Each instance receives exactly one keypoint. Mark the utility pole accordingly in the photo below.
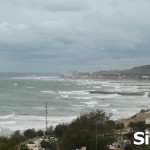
(46, 113)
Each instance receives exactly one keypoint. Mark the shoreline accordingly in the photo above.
(140, 116)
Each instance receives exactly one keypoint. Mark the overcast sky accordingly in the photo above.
(84, 35)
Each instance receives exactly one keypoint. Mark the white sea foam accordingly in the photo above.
(104, 105)
(39, 78)
(25, 122)
(81, 97)
(29, 87)
(106, 96)
(15, 84)
(146, 94)
(117, 86)
(7, 116)
(67, 84)
(93, 82)
(7, 122)
(64, 96)
(97, 87)
(90, 104)
(105, 85)
(74, 92)
(114, 110)
(78, 105)
(81, 84)
(48, 92)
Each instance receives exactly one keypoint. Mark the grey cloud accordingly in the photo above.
(50, 5)
(113, 33)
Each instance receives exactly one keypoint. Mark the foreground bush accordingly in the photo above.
(13, 142)
(85, 131)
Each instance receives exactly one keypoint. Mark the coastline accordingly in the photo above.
(142, 116)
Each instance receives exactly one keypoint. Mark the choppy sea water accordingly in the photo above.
(23, 97)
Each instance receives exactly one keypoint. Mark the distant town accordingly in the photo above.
(142, 72)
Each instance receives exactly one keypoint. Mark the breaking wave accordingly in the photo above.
(74, 92)
(47, 92)
(7, 116)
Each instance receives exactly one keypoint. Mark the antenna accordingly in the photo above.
(46, 113)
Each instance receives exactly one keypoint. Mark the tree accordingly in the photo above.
(129, 136)
(110, 126)
(84, 130)
(49, 131)
(44, 144)
(12, 143)
(51, 144)
(60, 130)
(23, 147)
(40, 133)
(119, 126)
(30, 133)
(140, 126)
(132, 125)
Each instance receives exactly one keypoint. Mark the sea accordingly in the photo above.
(23, 97)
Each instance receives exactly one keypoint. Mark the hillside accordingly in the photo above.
(141, 116)
(141, 70)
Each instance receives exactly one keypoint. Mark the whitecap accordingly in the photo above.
(105, 96)
(78, 105)
(146, 94)
(7, 116)
(81, 97)
(114, 110)
(29, 87)
(90, 104)
(35, 122)
(105, 85)
(97, 87)
(39, 78)
(104, 105)
(74, 92)
(7, 122)
(47, 92)
(64, 96)
(15, 84)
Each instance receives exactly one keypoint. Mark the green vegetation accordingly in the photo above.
(119, 126)
(50, 144)
(30, 133)
(138, 126)
(85, 130)
(94, 129)
(13, 142)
